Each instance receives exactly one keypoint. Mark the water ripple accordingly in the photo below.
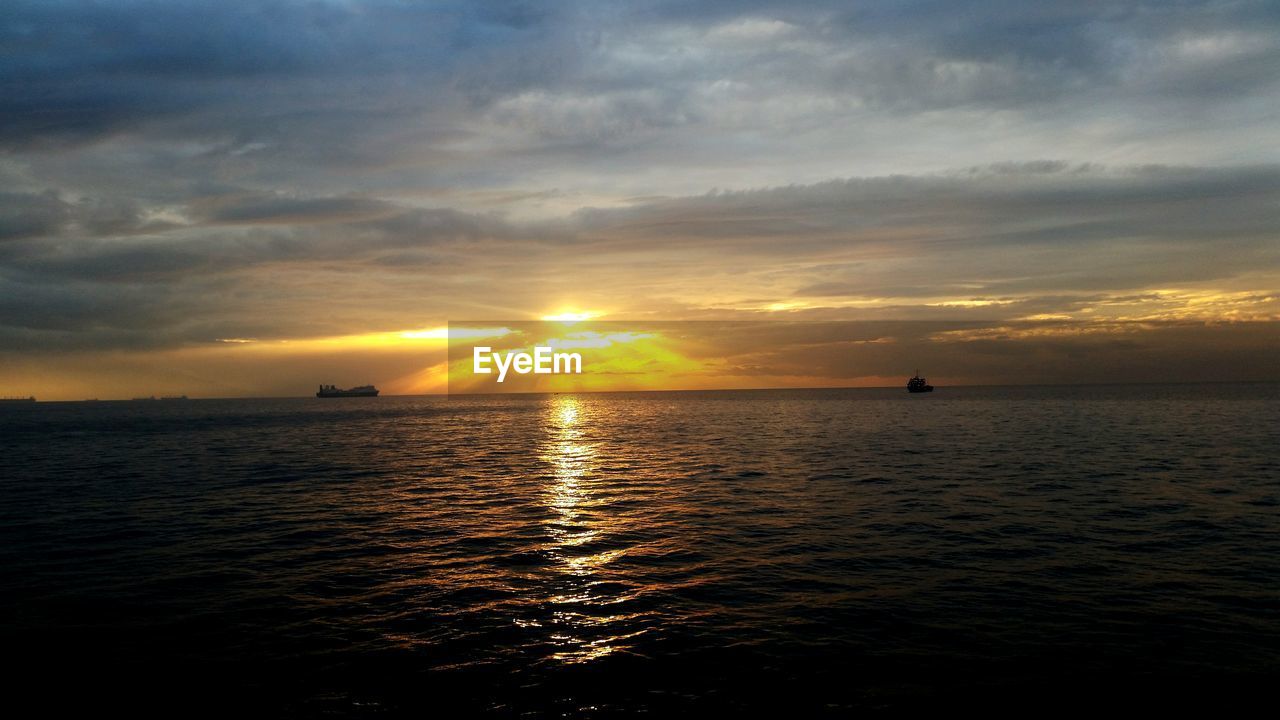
(818, 551)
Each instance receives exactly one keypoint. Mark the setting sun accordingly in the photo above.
(570, 317)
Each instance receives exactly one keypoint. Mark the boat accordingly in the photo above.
(918, 384)
(28, 399)
(331, 391)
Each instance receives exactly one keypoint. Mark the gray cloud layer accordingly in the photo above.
(363, 84)
(1040, 238)
(177, 172)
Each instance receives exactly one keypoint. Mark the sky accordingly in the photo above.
(252, 198)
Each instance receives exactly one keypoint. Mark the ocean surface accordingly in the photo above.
(808, 552)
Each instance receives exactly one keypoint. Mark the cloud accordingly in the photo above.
(25, 215)
(1005, 241)
(279, 209)
(579, 78)
(177, 172)
(48, 214)
(313, 231)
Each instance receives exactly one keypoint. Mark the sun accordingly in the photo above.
(571, 316)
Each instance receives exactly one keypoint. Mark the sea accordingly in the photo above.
(795, 553)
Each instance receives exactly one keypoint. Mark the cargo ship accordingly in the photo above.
(28, 399)
(332, 391)
(918, 384)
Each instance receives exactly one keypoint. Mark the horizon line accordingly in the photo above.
(173, 399)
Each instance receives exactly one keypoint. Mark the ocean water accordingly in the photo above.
(808, 552)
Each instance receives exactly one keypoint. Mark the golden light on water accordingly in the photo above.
(568, 409)
(575, 522)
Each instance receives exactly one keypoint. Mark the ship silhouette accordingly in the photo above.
(918, 384)
(332, 391)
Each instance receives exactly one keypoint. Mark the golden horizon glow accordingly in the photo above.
(571, 316)
(366, 341)
(415, 360)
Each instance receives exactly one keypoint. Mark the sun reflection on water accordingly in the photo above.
(575, 523)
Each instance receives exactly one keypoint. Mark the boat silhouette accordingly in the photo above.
(331, 391)
(918, 384)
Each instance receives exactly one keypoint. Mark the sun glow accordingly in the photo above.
(568, 316)
(786, 306)
(403, 339)
(440, 333)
